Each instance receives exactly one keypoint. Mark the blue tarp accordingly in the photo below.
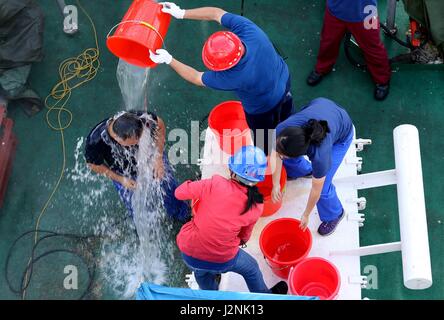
(149, 291)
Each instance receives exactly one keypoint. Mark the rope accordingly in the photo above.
(73, 72)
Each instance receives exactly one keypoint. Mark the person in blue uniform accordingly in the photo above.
(322, 131)
(242, 60)
(111, 150)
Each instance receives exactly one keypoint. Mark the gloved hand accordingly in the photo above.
(161, 56)
(173, 9)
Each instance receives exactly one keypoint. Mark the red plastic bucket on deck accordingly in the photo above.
(284, 245)
(227, 121)
(266, 188)
(142, 29)
(315, 277)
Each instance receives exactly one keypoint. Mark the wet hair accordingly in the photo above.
(128, 125)
(294, 141)
(253, 194)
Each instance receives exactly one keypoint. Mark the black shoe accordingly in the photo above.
(280, 288)
(314, 78)
(381, 91)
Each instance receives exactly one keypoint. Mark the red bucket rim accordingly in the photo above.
(310, 241)
(217, 108)
(139, 63)
(311, 259)
(282, 182)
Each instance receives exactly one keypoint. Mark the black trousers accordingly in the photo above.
(263, 124)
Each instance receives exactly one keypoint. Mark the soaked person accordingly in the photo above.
(323, 131)
(224, 219)
(111, 150)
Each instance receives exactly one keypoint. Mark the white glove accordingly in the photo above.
(173, 9)
(161, 56)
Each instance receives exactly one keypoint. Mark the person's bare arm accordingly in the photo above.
(205, 13)
(188, 73)
(315, 194)
(276, 193)
(107, 172)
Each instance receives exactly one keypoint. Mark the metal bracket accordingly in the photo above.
(361, 202)
(360, 280)
(360, 143)
(356, 161)
(357, 217)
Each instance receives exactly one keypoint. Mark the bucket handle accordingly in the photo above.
(274, 268)
(143, 23)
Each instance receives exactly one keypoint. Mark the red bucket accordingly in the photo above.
(143, 28)
(266, 188)
(228, 122)
(315, 277)
(284, 245)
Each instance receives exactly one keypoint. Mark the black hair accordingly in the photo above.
(128, 125)
(294, 141)
(253, 194)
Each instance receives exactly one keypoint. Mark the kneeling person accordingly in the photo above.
(111, 150)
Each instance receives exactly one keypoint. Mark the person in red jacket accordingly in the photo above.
(224, 219)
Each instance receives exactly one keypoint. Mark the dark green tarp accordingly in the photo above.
(21, 44)
(430, 13)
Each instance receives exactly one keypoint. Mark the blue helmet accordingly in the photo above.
(249, 164)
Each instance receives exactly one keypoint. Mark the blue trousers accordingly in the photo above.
(244, 264)
(176, 209)
(329, 206)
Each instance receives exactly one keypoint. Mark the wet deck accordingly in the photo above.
(416, 97)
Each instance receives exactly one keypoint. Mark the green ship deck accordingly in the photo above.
(417, 98)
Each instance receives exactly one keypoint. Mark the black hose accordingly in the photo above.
(394, 37)
(28, 272)
(404, 58)
(353, 61)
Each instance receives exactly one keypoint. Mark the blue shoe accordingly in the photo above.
(327, 228)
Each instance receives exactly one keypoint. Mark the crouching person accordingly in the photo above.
(111, 150)
(224, 219)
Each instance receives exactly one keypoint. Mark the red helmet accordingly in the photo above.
(222, 51)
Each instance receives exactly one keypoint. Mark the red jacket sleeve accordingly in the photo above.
(245, 233)
(190, 190)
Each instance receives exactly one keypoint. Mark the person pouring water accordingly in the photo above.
(323, 131)
(224, 219)
(242, 60)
